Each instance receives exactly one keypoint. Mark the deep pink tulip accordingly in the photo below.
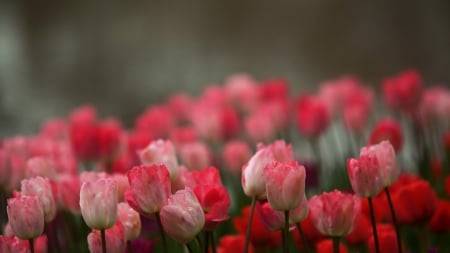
(182, 218)
(156, 120)
(149, 188)
(285, 184)
(41, 188)
(160, 152)
(26, 216)
(69, 192)
(98, 203)
(387, 164)
(335, 213)
(115, 240)
(387, 129)
(403, 92)
(313, 116)
(365, 176)
(131, 221)
(215, 202)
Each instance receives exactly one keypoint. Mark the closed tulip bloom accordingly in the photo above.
(115, 240)
(131, 221)
(160, 152)
(335, 213)
(25, 216)
(285, 184)
(253, 173)
(41, 188)
(98, 203)
(364, 175)
(149, 188)
(182, 218)
(272, 219)
(387, 163)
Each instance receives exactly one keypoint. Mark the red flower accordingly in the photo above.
(313, 116)
(83, 133)
(361, 232)
(215, 202)
(326, 246)
(233, 244)
(230, 123)
(403, 92)
(274, 89)
(386, 237)
(108, 137)
(440, 221)
(387, 129)
(156, 120)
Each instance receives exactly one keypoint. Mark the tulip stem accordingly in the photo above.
(394, 219)
(286, 232)
(31, 245)
(249, 224)
(161, 230)
(206, 241)
(336, 244)
(190, 250)
(102, 232)
(129, 247)
(302, 236)
(213, 243)
(374, 226)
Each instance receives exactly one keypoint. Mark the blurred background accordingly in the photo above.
(121, 57)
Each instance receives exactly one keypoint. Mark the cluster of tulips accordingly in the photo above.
(228, 171)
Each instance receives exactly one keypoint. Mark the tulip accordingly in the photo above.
(403, 92)
(387, 164)
(235, 154)
(98, 203)
(40, 166)
(160, 152)
(365, 177)
(26, 216)
(195, 155)
(313, 116)
(182, 218)
(335, 213)
(114, 237)
(149, 188)
(232, 243)
(130, 220)
(387, 129)
(285, 184)
(41, 188)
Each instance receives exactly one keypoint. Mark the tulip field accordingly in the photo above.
(244, 166)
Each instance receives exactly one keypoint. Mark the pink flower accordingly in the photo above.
(149, 188)
(83, 131)
(364, 175)
(156, 120)
(98, 203)
(259, 127)
(313, 116)
(69, 192)
(387, 163)
(122, 185)
(40, 166)
(115, 240)
(15, 245)
(272, 219)
(130, 220)
(335, 213)
(235, 154)
(285, 184)
(195, 155)
(434, 106)
(242, 91)
(26, 216)
(41, 188)
(207, 176)
(403, 92)
(182, 218)
(160, 152)
(387, 129)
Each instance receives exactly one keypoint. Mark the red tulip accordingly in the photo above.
(440, 221)
(361, 232)
(387, 239)
(326, 246)
(235, 154)
(387, 129)
(313, 116)
(156, 120)
(403, 92)
(335, 213)
(149, 188)
(233, 244)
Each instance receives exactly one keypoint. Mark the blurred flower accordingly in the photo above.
(41, 188)
(235, 154)
(69, 192)
(195, 155)
(387, 239)
(361, 232)
(40, 166)
(440, 221)
(313, 116)
(160, 152)
(115, 240)
(17, 245)
(130, 221)
(157, 120)
(108, 137)
(326, 246)
(364, 175)
(403, 92)
(232, 244)
(387, 129)
(26, 216)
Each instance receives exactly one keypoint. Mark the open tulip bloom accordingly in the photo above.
(247, 166)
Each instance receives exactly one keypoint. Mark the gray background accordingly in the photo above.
(55, 55)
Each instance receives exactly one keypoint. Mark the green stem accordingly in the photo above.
(302, 236)
(286, 232)
(213, 243)
(31, 245)
(249, 224)
(102, 232)
(189, 248)
(394, 220)
(336, 240)
(374, 226)
(161, 231)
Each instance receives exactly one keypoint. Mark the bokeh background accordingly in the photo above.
(121, 57)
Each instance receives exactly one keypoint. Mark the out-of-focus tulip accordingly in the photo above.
(182, 218)
(130, 220)
(41, 188)
(387, 239)
(69, 192)
(361, 232)
(403, 92)
(235, 154)
(313, 116)
(160, 152)
(156, 120)
(98, 203)
(335, 213)
(115, 240)
(40, 166)
(149, 188)
(326, 246)
(387, 129)
(26, 216)
(232, 244)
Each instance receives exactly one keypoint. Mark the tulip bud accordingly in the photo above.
(26, 216)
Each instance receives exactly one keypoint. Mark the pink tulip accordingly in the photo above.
(285, 184)
(41, 188)
(335, 213)
(272, 219)
(387, 163)
(98, 203)
(26, 216)
(160, 152)
(40, 166)
(235, 154)
(149, 188)
(16, 245)
(259, 127)
(131, 221)
(364, 175)
(313, 116)
(182, 218)
(69, 192)
(115, 240)
(195, 155)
